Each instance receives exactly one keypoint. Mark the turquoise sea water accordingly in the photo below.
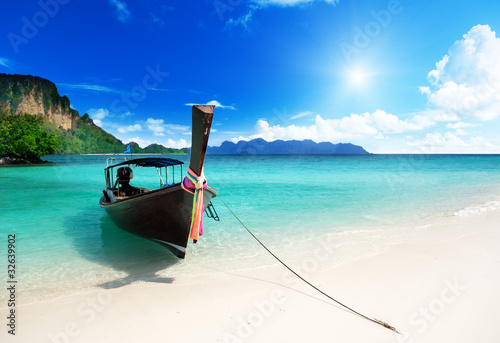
(65, 242)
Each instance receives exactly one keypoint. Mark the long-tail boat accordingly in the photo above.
(173, 212)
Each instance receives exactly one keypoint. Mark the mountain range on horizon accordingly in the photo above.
(77, 134)
(260, 146)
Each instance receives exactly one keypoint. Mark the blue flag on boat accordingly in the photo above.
(129, 148)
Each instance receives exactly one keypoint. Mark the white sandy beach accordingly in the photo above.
(434, 284)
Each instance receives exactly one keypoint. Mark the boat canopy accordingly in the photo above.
(157, 162)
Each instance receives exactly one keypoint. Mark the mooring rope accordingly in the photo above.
(376, 321)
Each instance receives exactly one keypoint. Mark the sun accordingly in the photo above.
(358, 77)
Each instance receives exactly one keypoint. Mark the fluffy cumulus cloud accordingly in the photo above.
(355, 126)
(179, 144)
(449, 142)
(98, 114)
(159, 128)
(156, 126)
(130, 128)
(459, 125)
(466, 82)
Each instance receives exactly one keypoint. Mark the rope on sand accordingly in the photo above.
(376, 321)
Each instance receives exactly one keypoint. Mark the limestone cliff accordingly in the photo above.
(36, 96)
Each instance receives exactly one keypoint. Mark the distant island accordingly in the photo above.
(36, 121)
(305, 147)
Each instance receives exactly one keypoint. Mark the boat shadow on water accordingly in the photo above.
(100, 241)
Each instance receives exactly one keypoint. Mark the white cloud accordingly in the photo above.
(459, 125)
(216, 104)
(156, 126)
(123, 14)
(126, 114)
(176, 127)
(159, 128)
(153, 129)
(152, 121)
(448, 142)
(142, 142)
(181, 143)
(435, 75)
(438, 115)
(355, 126)
(466, 82)
(130, 128)
(98, 114)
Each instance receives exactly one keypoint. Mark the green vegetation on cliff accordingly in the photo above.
(24, 136)
(86, 138)
(14, 88)
(31, 135)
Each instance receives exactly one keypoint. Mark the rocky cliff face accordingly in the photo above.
(55, 114)
(36, 96)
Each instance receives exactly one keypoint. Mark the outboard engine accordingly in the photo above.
(124, 174)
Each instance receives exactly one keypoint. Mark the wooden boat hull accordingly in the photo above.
(162, 215)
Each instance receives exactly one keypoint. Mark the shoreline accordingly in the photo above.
(14, 160)
(434, 284)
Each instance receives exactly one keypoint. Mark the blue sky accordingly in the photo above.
(394, 76)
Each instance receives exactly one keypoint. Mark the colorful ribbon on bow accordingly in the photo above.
(195, 185)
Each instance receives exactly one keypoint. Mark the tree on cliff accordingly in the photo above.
(23, 136)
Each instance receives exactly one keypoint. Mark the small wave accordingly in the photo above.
(475, 209)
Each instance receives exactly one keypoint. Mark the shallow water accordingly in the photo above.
(65, 242)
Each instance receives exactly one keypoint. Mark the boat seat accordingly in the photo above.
(126, 192)
(129, 191)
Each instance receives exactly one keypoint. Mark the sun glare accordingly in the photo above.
(357, 77)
